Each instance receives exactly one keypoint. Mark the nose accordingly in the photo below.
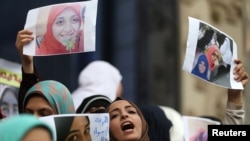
(124, 115)
(67, 27)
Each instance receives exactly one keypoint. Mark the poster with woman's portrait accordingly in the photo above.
(79, 127)
(210, 55)
(63, 28)
(10, 79)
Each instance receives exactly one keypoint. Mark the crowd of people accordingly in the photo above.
(100, 91)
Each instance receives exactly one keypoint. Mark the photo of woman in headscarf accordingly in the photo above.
(8, 102)
(201, 68)
(72, 128)
(64, 31)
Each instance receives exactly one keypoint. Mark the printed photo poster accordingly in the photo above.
(196, 128)
(87, 127)
(210, 55)
(64, 28)
(10, 79)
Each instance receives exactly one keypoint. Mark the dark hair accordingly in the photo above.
(63, 125)
(158, 123)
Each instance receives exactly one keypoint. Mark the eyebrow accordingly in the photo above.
(126, 107)
(42, 109)
(4, 103)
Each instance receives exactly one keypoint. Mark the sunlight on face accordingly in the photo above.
(125, 122)
(66, 26)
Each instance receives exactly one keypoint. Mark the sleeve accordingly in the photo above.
(234, 114)
(28, 80)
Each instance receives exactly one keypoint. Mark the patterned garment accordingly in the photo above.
(56, 93)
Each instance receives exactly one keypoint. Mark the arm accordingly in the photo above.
(29, 74)
(235, 112)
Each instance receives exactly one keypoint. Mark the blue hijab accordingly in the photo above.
(196, 71)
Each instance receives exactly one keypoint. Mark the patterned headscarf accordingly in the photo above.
(49, 44)
(15, 128)
(55, 93)
(144, 135)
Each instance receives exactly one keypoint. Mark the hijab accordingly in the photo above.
(144, 136)
(50, 45)
(196, 71)
(93, 101)
(15, 128)
(55, 93)
(158, 123)
(98, 77)
(210, 50)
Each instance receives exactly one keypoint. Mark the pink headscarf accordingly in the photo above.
(49, 44)
(209, 53)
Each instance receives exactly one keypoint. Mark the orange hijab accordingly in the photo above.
(49, 43)
(210, 50)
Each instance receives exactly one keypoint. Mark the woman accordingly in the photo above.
(213, 56)
(126, 121)
(63, 34)
(25, 128)
(73, 128)
(201, 67)
(55, 97)
(48, 97)
(8, 102)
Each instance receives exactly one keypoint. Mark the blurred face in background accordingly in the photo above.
(8, 103)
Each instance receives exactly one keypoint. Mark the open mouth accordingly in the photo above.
(127, 126)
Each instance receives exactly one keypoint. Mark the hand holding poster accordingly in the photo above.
(62, 28)
(210, 55)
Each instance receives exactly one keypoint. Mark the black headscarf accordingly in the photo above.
(93, 101)
(158, 123)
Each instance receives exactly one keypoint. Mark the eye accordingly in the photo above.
(5, 109)
(86, 131)
(72, 138)
(112, 116)
(75, 19)
(60, 22)
(132, 112)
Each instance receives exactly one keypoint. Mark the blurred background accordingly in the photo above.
(146, 41)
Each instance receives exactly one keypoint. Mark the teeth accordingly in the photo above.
(126, 123)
